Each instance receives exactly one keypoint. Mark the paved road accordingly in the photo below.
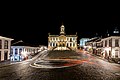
(90, 68)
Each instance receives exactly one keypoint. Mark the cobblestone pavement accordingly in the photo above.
(92, 68)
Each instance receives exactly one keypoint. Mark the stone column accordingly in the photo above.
(68, 44)
(2, 52)
(2, 44)
(13, 53)
(18, 51)
(113, 42)
(2, 55)
(52, 44)
(9, 49)
(108, 43)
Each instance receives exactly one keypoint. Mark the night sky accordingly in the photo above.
(33, 25)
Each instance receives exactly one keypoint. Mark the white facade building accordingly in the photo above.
(21, 51)
(83, 41)
(108, 47)
(5, 44)
(111, 47)
(62, 41)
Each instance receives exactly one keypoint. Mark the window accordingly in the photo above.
(67, 39)
(67, 44)
(20, 50)
(105, 43)
(0, 44)
(62, 29)
(110, 43)
(102, 44)
(116, 43)
(50, 44)
(60, 45)
(16, 51)
(63, 45)
(6, 44)
(109, 53)
(5, 55)
(70, 39)
(116, 53)
(53, 44)
(70, 44)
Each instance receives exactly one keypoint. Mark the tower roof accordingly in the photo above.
(62, 30)
(116, 30)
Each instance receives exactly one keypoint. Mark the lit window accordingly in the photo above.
(5, 55)
(67, 44)
(116, 53)
(116, 43)
(70, 44)
(70, 39)
(20, 50)
(110, 43)
(105, 43)
(6, 44)
(67, 39)
(16, 51)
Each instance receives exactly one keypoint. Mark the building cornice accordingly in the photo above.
(1, 37)
(110, 37)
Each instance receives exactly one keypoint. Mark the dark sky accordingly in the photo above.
(33, 25)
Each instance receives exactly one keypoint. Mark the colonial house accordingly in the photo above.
(82, 42)
(62, 41)
(111, 47)
(91, 45)
(107, 47)
(5, 44)
(21, 51)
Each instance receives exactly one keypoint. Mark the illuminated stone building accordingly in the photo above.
(62, 41)
(5, 44)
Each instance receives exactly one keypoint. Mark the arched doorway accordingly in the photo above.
(63, 45)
